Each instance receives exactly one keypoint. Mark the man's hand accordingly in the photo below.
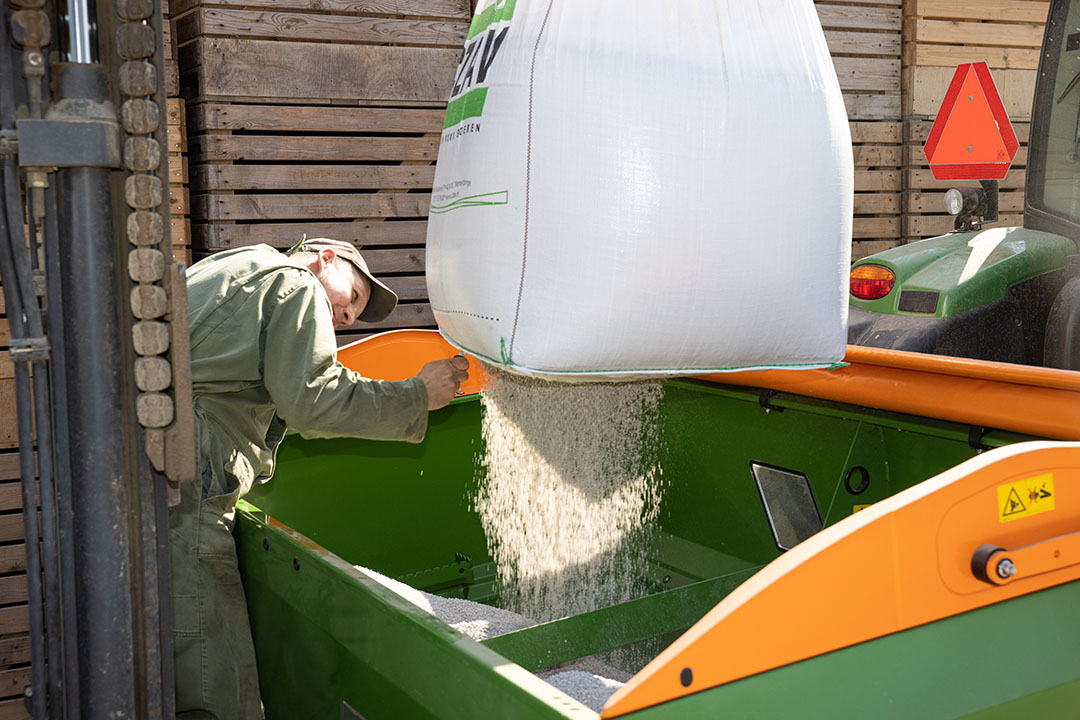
(442, 378)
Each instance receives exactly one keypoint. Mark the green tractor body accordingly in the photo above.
(985, 294)
(1000, 294)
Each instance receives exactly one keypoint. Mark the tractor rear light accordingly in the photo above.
(871, 282)
(965, 201)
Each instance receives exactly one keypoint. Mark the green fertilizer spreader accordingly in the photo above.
(897, 538)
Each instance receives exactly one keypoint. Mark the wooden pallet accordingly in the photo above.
(864, 40)
(172, 68)
(179, 191)
(358, 174)
(14, 617)
(876, 149)
(322, 119)
(320, 51)
(941, 34)
(272, 158)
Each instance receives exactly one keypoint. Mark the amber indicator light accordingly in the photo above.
(871, 282)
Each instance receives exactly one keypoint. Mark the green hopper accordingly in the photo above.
(893, 605)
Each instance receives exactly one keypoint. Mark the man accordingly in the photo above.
(263, 358)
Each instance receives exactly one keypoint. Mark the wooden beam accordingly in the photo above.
(850, 42)
(881, 74)
(269, 69)
(174, 111)
(954, 32)
(265, 148)
(239, 178)
(872, 106)
(875, 227)
(14, 709)
(874, 132)
(277, 118)
(11, 527)
(449, 9)
(277, 25)
(876, 156)
(178, 200)
(316, 206)
(877, 203)
(14, 651)
(1032, 11)
(877, 180)
(12, 589)
(12, 682)
(178, 169)
(282, 235)
(844, 17)
(952, 55)
(408, 287)
(12, 560)
(405, 315)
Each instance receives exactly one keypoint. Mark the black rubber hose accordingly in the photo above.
(49, 534)
(23, 403)
(23, 316)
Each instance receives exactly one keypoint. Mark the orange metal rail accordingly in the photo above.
(1036, 401)
(1032, 400)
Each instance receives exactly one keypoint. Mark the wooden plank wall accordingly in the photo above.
(176, 118)
(291, 130)
(938, 36)
(322, 122)
(14, 618)
(864, 40)
(179, 191)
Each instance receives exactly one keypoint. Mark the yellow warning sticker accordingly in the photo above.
(1027, 497)
(857, 508)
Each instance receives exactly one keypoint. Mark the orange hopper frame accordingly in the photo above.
(904, 561)
(907, 560)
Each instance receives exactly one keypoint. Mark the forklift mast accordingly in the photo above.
(98, 317)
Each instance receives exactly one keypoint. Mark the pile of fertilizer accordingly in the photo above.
(589, 681)
(571, 491)
(474, 619)
(590, 690)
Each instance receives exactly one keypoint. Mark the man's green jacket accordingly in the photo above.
(263, 358)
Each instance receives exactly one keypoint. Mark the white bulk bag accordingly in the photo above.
(643, 187)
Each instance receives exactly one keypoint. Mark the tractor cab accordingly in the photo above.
(999, 294)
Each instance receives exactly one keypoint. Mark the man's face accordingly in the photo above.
(346, 288)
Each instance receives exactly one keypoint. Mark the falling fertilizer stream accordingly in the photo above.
(568, 498)
(571, 489)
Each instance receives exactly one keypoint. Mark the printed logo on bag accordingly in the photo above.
(486, 36)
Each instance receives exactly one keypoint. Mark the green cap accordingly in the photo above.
(383, 300)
